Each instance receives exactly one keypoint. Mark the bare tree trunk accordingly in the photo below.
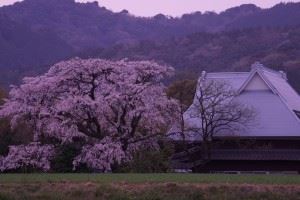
(205, 152)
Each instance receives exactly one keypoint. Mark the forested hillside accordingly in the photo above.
(225, 51)
(37, 33)
(23, 51)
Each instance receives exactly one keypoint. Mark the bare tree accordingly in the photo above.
(216, 111)
(183, 91)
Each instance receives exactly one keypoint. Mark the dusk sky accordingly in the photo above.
(173, 7)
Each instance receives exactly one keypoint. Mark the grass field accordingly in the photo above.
(157, 178)
(148, 187)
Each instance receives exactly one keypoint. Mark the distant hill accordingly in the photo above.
(281, 15)
(87, 25)
(37, 33)
(277, 48)
(22, 50)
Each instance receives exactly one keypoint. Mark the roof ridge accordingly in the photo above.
(271, 70)
(261, 67)
(227, 72)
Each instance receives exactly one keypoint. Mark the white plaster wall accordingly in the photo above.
(257, 83)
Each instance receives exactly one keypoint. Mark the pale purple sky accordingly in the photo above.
(173, 7)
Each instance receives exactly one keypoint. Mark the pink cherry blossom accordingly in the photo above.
(114, 106)
(32, 155)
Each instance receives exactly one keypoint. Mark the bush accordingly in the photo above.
(149, 161)
(65, 154)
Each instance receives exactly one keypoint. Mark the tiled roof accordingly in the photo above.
(276, 105)
(277, 80)
(273, 117)
(235, 79)
(275, 108)
(287, 93)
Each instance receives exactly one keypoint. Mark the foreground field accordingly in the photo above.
(152, 178)
(148, 187)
